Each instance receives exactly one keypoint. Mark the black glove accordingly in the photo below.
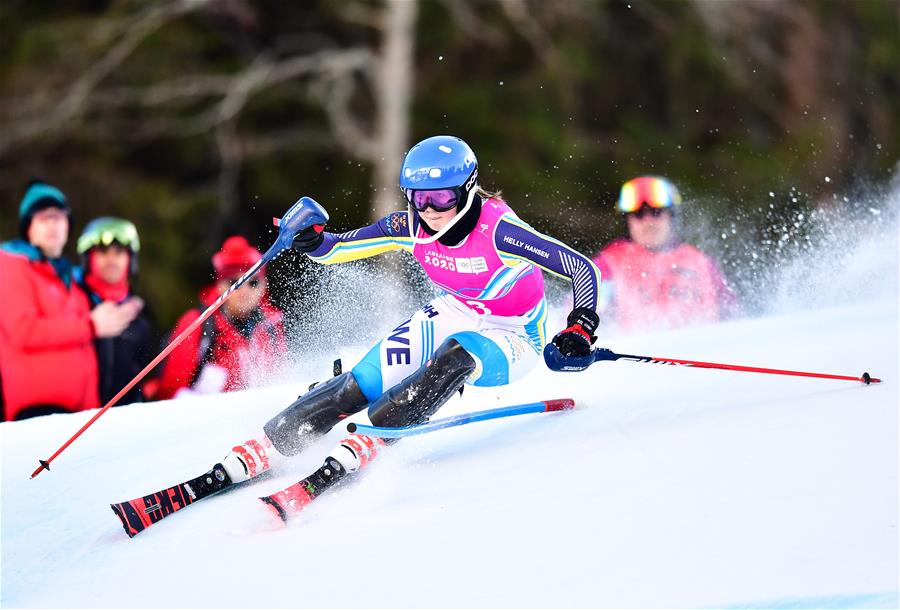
(308, 239)
(577, 338)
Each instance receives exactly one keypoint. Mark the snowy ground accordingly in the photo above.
(668, 487)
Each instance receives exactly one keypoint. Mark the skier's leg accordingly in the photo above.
(417, 397)
(490, 357)
(411, 401)
(316, 412)
(407, 348)
(308, 417)
(404, 362)
(499, 353)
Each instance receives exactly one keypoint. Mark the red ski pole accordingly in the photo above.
(303, 214)
(557, 362)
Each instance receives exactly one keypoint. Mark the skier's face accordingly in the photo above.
(437, 220)
(650, 228)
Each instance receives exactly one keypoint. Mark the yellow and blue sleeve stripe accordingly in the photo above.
(389, 233)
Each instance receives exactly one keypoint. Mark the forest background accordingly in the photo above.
(203, 118)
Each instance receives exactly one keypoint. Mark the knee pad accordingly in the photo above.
(314, 413)
(420, 395)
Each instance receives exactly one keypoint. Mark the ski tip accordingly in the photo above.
(117, 509)
(276, 508)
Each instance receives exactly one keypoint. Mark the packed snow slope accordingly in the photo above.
(668, 486)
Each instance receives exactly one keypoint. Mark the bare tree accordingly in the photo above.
(394, 96)
(212, 104)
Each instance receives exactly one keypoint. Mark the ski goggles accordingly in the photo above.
(106, 234)
(440, 200)
(646, 210)
(657, 193)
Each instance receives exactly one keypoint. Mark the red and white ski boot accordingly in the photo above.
(351, 454)
(250, 459)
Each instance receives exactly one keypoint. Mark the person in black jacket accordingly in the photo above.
(109, 250)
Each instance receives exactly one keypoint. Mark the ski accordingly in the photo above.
(250, 459)
(139, 514)
(357, 450)
(291, 500)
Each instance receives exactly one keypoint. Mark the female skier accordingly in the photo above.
(487, 329)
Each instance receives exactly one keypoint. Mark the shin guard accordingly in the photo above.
(419, 396)
(315, 413)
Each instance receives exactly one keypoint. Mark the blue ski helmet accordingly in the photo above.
(440, 162)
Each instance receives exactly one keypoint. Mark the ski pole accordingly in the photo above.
(304, 213)
(557, 362)
(544, 406)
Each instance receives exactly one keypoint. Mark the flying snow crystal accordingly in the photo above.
(827, 179)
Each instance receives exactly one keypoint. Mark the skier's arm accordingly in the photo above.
(516, 241)
(389, 233)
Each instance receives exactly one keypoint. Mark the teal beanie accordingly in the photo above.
(38, 196)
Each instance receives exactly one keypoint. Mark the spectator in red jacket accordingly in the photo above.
(241, 341)
(651, 279)
(47, 359)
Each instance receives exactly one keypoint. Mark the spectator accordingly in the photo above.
(109, 250)
(651, 279)
(47, 359)
(245, 336)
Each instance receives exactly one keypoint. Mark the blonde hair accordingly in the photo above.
(485, 194)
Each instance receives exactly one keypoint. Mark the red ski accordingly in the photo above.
(355, 452)
(139, 514)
